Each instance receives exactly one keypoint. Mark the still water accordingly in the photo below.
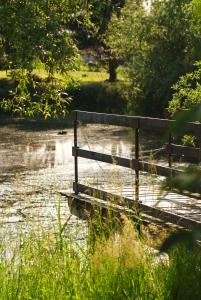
(36, 163)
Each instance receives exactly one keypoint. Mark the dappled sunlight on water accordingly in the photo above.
(36, 164)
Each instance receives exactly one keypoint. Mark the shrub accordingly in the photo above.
(187, 91)
(102, 97)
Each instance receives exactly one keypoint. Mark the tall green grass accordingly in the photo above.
(117, 267)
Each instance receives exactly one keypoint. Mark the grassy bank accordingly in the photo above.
(120, 267)
(84, 75)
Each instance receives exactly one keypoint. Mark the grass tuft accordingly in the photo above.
(119, 267)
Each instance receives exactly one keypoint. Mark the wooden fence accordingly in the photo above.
(136, 163)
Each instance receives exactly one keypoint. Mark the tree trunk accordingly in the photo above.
(112, 69)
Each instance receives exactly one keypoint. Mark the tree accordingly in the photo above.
(108, 9)
(32, 30)
(157, 46)
(94, 36)
(187, 90)
(38, 32)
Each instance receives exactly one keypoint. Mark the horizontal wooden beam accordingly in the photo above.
(82, 203)
(188, 152)
(127, 163)
(152, 211)
(155, 124)
(109, 119)
(105, 196)
(144, 123)
(116, 160)
(158, 170)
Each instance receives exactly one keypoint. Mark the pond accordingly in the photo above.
(36, 163)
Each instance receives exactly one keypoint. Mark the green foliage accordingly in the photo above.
(158, 45)
(83, 90)
(188, 239)
(34, 97)
(101, 97)
(187, 181)
(100, 15)
(196, 4)
(187, 91)
(184, 277)
(6, 86)
(102, 12)
(189, 140)
(38, 31)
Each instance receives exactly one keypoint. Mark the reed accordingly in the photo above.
(50, 266)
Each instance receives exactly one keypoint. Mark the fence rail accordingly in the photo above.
(145, 123)
(155, 212)
(136, 163)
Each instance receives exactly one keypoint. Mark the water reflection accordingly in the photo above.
(63, 152)
(120, 149)
(36, 164)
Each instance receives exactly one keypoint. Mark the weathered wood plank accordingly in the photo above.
(105, 206)
(144, 123)
(116, 160)
(109, 119)
(158, 170)
(155, 124)
(153, 211)
(105, 196)
(125, 162)
(188, 152)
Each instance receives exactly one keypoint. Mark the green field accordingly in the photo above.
(84, 75)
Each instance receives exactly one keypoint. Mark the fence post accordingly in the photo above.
(75, 123)
(137, 176)
(169, 151)
(137, 169)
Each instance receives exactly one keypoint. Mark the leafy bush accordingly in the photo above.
(100, 97)
(32, 96)
(158, 45)
(187, 91)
